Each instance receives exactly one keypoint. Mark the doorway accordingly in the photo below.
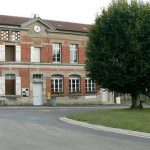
(37, 94)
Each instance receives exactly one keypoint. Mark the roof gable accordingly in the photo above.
(37, 19)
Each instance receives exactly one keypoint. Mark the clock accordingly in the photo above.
(37, 28)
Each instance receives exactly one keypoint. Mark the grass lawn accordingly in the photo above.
(136, 120)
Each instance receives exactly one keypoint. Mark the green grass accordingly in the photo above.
(136, 120)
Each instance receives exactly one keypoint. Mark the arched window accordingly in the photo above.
(74, 84)
(57, 84)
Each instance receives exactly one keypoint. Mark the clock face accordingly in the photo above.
(37, 28)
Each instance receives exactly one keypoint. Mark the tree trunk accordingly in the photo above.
(135, 104)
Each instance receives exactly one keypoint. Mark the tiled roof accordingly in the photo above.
(59, 25)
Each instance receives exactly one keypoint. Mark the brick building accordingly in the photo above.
(42, 58)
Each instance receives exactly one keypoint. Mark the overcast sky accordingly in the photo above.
(81, 11)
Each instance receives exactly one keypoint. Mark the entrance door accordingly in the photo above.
(37, 94)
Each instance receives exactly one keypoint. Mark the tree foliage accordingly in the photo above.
(118, 50)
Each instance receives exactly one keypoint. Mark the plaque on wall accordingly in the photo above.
(25, 92)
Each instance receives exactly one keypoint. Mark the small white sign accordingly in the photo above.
(25, 92)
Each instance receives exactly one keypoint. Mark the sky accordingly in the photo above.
(80, 11)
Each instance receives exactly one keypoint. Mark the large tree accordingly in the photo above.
(118, 50)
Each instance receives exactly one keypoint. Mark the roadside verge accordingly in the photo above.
(108, 129)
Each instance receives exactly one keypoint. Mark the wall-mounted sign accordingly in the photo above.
(25, 92)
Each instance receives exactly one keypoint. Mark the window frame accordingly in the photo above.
(60, 85)
(10, 53)
(90, 87)
(10, 83)
(55, 53)
(74, 80)
(37, 76)
(73, 53)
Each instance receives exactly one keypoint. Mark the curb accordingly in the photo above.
(108, 129)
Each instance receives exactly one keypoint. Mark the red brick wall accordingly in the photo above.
(44, 55)
(25, 78)
(65, 55)
(25, 52)
(48, 85)
(81, 55)
(66, 85)
(50, 53)
(26, 39)
(83, 86)
(46, 50)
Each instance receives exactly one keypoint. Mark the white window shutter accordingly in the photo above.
(2, 52)
(18, 53)
(32, 54)
(18, 85)
(36, 54)
(2, 86)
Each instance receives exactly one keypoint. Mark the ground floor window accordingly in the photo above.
(74, 84)
(10, 84)
(90, 85)
(57, 84)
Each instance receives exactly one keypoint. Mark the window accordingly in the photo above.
(57, 84)
(10, 84)
(35, 54)
(38, 76)
(10, 53)
(73, 53)
(57, 53)
(74, 84)
(90, 85)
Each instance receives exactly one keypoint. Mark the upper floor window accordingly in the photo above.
(74, 84)
(56, 52)
(10, 53)
(57, 84)
(73, 53)
(90, 85)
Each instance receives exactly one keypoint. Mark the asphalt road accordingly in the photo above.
(41, 129)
